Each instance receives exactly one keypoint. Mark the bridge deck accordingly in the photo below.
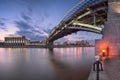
(81, 13)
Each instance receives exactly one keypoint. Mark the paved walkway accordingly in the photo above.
(111, 71)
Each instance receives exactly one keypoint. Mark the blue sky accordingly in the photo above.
(35, 18)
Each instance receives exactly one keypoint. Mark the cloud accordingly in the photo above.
(2, 24)
(3, 19)
(30, 31)
(28, 24)
(30, 11)
(28, 28)
(23, 25)
(25, 17)
(4, 29)
(32, 35)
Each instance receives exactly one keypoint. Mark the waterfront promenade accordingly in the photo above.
(111, 70)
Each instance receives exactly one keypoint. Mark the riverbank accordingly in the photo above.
(111, 69)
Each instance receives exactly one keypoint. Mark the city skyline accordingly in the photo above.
(36, 18)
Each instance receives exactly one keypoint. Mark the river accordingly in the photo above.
(46, 64)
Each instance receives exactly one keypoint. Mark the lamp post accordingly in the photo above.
(103, 53)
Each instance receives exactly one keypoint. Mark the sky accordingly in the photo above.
(36, 18)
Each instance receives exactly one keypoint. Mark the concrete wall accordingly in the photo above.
(111, 32)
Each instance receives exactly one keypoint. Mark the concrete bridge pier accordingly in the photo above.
(49, 44)
(110, 44)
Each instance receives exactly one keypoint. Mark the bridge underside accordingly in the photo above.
(92, 15)
(71, 30)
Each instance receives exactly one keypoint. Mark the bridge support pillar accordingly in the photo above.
(111, 33)
(49, 44)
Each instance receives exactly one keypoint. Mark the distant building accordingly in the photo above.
(1, 43)
(66, 43)
(57, 43)
(34, 43)
(79, 43)
(16, 40)
(43, 42)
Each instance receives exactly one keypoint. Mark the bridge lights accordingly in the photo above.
(88, 9)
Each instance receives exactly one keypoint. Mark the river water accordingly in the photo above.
(46, 64)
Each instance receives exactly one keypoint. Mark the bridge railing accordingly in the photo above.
(83, 4)
(77, 8)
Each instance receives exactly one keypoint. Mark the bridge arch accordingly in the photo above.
(85, 16)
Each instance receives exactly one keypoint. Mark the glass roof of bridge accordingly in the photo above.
(79, 7)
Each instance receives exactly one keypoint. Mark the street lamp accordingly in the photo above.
(103, 53)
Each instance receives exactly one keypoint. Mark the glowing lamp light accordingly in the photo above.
(115, 6)
(103, 53)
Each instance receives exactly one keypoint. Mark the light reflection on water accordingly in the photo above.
(45, 64)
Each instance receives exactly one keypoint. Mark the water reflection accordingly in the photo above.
(45, 64)
(71, 65)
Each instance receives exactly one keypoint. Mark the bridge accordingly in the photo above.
(87, 15)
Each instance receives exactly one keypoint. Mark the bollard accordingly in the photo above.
(97, 74)
(96, 67)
